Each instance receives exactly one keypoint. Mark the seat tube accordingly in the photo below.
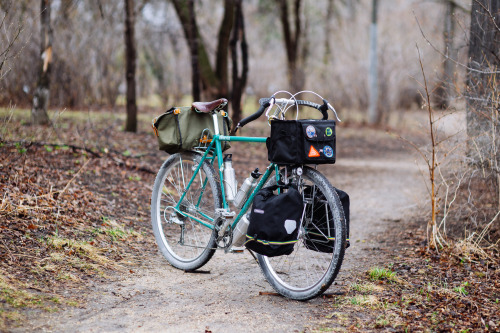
(218, 152)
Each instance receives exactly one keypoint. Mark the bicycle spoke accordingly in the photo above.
(312, 266)
(191, 245)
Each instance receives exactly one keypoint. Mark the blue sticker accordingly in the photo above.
(328, 151)
(310, 131)
(328, 131)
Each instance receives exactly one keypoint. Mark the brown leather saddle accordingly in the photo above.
(207, 107)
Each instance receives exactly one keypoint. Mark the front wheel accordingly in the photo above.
(317, 256)
(186, 243)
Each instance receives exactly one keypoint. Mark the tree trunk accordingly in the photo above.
(130, 53)
(483, 87)
(239, 81)
(41, 96)
(295, 58)
(451, 52)
(193, 41)
(446, 92)
(214, 82)
(328, 32)
(374, 114)
(221, 66)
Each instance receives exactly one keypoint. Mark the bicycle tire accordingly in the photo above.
(184, 242)
(305, 273)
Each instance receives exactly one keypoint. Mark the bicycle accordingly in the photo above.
(192, 217)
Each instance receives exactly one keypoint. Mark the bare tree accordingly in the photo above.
(239, 79)
(445, 92)
(193, 46)
(452, 54)
(41, 96)
(328, 32)
(483, 87)
(6, 50)
(295, 53)
(214, 79)
(131, 123)
(374, 114)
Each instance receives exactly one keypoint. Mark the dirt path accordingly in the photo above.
(224, 297)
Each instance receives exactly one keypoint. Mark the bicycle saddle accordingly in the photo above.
(207, 107)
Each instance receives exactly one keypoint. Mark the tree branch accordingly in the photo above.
(447, 57)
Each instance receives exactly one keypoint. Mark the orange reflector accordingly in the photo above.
(205, 139)
(177, 111)
(313, 152)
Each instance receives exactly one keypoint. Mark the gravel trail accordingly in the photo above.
(224, 296)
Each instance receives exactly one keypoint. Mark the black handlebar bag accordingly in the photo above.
(274, 221)
(304, 141)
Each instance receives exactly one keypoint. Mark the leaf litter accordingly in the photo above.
(71, 215)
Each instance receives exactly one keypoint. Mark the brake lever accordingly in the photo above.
(335, 112)
(271, 104)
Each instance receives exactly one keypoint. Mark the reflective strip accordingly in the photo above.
(250, 238)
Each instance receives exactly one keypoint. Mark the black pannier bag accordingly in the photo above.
(274, 221)
(306, 141)
(320, 232)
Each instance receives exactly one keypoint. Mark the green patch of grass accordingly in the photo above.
(20, 148)
(73, 247)
(365, 287)
(8, 316)
(134, 178)
(72, 303)
(377, 273)
(461, 289)
(364, 300)
(381, 321)
(16, 297)
(324, 329)
(114, 230)
(116, 233)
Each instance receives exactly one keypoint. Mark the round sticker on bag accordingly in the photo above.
(328, 131)
(328, 151)
(310, 131)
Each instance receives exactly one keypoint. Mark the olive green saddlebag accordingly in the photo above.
(183, 129)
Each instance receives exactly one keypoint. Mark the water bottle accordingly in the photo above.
(240, 232)
(230, 182)
(245, 188)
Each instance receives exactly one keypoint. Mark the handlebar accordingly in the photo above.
(267, 102)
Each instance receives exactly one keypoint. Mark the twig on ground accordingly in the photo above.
(72, 179)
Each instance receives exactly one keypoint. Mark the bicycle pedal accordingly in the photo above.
(237, 250)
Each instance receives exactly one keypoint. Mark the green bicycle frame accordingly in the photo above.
(215, 145)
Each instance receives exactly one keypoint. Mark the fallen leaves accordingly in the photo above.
(52, 234)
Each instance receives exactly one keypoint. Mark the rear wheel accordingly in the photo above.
(186, 243)
(317, 256)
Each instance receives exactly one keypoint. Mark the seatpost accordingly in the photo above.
(216, 123)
